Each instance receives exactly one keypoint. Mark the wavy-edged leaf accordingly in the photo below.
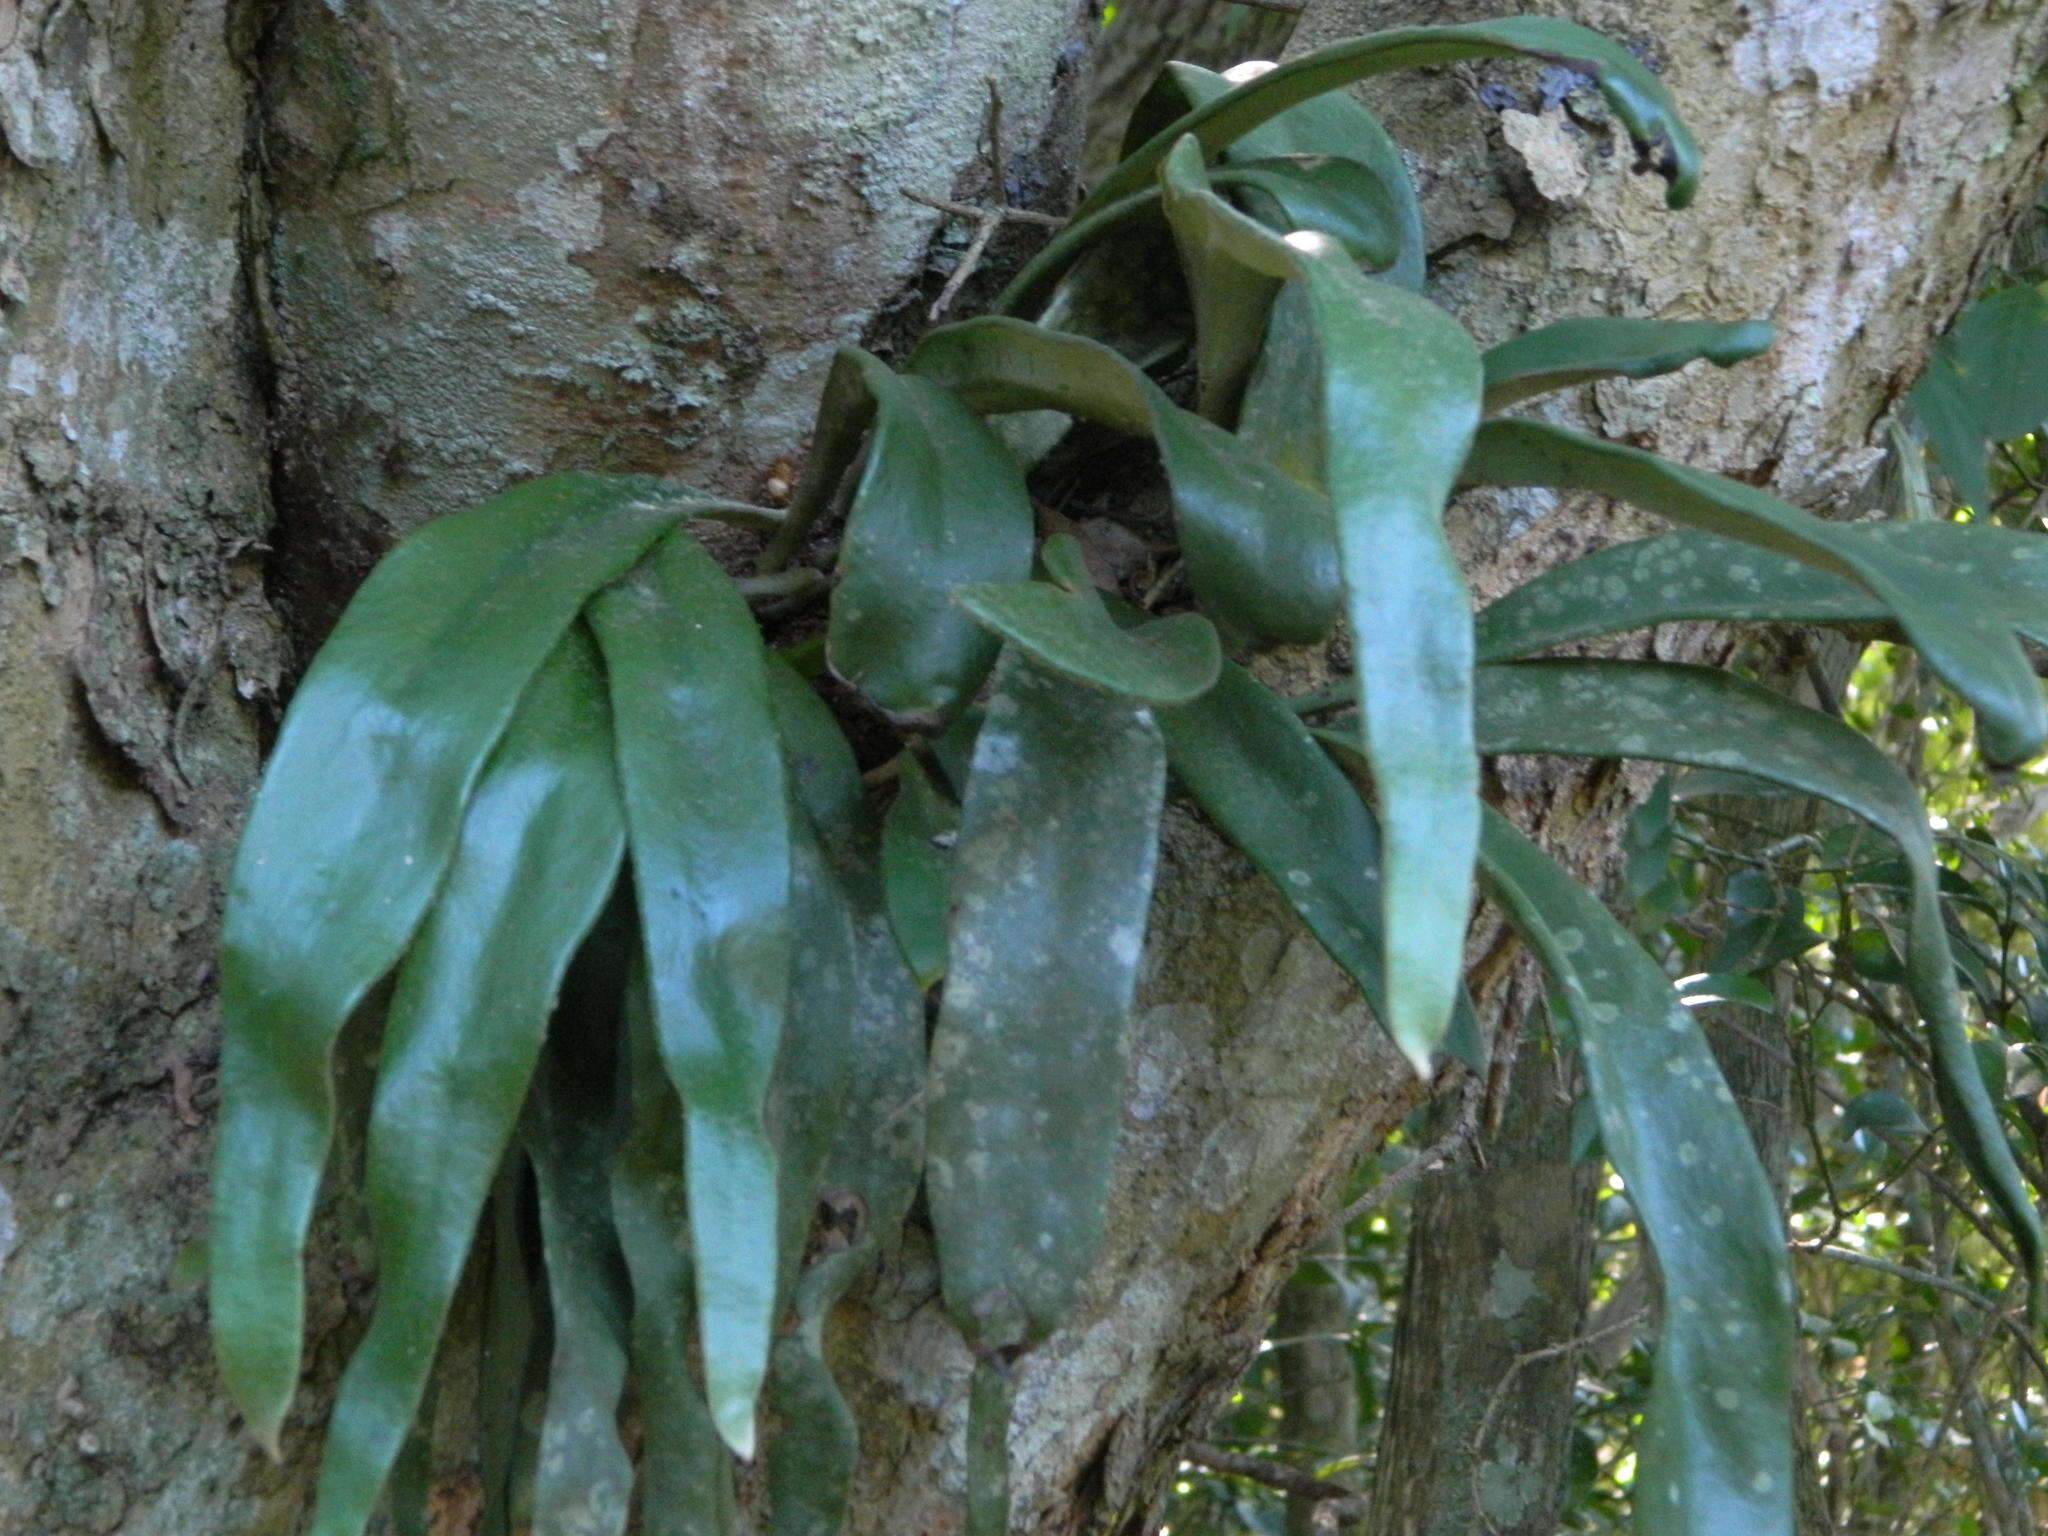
(940, 502)
(1971, 648)
(1399, 394)
(1688, 575)
(1713, 719)
(686, 1477)
(1052, 879)
(707, 815)
(1571, 352)
(537, 856)
(917, 870)
(1258, 546)
(349, 837)
(1715, 1453)
(1635, 96)
(1068, 631)
(1257, 772)
(583, 1476)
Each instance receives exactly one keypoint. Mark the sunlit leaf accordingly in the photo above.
(536, 859)
(348, 840)
(707, 813)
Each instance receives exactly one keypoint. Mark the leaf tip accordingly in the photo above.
(735, 1420)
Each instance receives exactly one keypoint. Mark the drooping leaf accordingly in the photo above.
(1067, 630)
(536, 859)
(707, 813)
(940, 502)
(583, 1476)
(1690, 575)
(822, 771)
(1258, 546)
(1713, 719)
(348, 840)
(917, 869)
(1986, 382)
(1258, 773)
(1970, 648)
(512, 1357)
(1571, 352)
(1399, 396)
(1052, 879)
(686, 1476)
(1715, 1453)
(1633, 94)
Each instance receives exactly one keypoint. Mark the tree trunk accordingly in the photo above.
(390, 255)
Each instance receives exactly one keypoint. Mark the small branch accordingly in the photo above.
(1434, 1156)
(986, 225)
(1346, 1504)
(969, 211)
(1950, 1287)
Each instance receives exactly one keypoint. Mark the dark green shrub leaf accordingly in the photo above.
(917, 870)
(1715, 1453)
(1634, 95)
(348, 840)
(940, 502)
(1717, 987)
(1166, 661)
(1051, 882)
(583, 1476)
(1972, 649)
(1573, 352)
(707, 813)
(1258, 546)
(537, 856)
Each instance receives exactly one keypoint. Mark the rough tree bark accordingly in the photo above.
(383, 256)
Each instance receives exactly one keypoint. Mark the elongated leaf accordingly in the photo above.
(1399, 395)
(1232, 280)
(511, 1359)
(350, 836)
(990, 1395)
(1635, 96)
(917, 870)
(1256, 772)
(940, 502)
(1257, 545)
(1715, 1454)
(1712, 719)
(686, 1477)
(583, 1478)
(539, 851)
(1971, 648)
(1578, 351)
(1688, 575)
(707, 814)
(1052, 879)
(1067, 630)
(822, 770)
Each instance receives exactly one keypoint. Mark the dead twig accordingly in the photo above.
(1344, 1504)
